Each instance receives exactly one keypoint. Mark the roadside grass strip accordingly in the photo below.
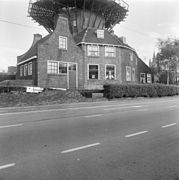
(80, 148)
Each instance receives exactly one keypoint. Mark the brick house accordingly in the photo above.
(86, 60)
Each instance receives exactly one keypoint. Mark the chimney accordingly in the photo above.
(123, 39)
(37, 37)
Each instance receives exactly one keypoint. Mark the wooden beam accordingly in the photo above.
(76, 15)
(84, 4)
(90, 13)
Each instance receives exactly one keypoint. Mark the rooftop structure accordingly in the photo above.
(99, 14)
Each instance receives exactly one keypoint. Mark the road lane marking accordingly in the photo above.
(142, 110)
(169, 125)
(172, 106)
(79, 148)
(76, 108)
(95, 115)
(7, 166)
(135, 134)
(108, 109)
(13, 125)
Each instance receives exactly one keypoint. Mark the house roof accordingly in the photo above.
(32, 51)
(89, 36)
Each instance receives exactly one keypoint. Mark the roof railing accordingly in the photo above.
(122, 3)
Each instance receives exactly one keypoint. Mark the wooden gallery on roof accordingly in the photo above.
(81, 50)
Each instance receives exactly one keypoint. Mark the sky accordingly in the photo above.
(147, 21)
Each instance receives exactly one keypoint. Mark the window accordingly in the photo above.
(62, 68)
(142, 77)
(93, 71)
(110, 51)
(100, 34)
(149, 78)
(30, 68)
(74, 23)
(93, 50)
(128, 73)
(133, 74)
(52, 67)
(110, 72)
(25, 69)
(62, 42)
(131, 56)
(136, 60)
(21, 70)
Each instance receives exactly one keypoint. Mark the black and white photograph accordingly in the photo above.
(89, 89)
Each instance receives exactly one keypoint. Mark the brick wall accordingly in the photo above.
(49, 50)
(101, 60)
(126, 61)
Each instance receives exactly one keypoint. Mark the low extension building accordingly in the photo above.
(86, 60)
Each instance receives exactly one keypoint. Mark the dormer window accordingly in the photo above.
(100, 34)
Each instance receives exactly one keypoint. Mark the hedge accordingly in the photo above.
(139, 90)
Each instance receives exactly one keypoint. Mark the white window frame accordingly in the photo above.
(114, 71)
(74, 23)
(149, 76)
(133, 74)
(98, 71)
(30, 68)
(91, 50)
(142, 78)
(131, 56)
(128, 78)
(51, 70)
(63, 42)
(25, 69)
(21, 69)
(110, 51)
(62, 62)
(100, 33)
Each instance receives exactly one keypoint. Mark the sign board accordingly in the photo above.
(30, 89)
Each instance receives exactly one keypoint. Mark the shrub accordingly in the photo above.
(139, 90)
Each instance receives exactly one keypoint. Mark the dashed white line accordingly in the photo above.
(142, 110)
(135, 134)
(169, 125)
(79, 148)
(13, 125)
(7, 166)
(95, 115)
(172, 106)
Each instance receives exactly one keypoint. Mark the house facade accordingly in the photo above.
(86, 60)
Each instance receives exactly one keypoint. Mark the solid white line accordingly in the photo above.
(122, 108)
(135, 134)
(95, 115)
(79, 148)
(7, 166)
(168, 125)
(13, 125)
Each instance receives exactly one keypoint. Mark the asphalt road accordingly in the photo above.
(116, 140)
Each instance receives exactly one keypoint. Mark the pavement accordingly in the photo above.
(134, 139)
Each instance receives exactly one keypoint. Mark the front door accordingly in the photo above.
(72, 70)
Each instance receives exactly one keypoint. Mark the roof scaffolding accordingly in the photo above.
(44, 11)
